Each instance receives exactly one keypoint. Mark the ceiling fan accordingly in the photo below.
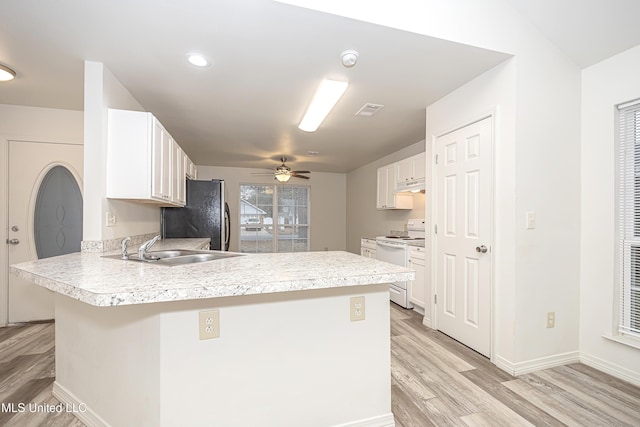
(283, 172)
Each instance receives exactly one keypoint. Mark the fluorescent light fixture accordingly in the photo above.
(197, 60)
(323, 102)
(6, 73)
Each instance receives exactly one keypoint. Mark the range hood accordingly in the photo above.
(413, 186)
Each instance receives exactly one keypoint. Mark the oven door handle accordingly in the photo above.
(400, 246)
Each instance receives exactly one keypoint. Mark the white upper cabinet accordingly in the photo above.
(179, 188)
(190, 168)
(387, 198)
(144, 163)
(411, 168)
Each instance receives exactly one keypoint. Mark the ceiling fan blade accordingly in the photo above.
(299, 176)
(262, 173)
(300, 171)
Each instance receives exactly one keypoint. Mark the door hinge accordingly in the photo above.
(435, 299)
(435, 228)
(436, 159)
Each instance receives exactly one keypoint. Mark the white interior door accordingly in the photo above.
(30, 170)
(463, 240)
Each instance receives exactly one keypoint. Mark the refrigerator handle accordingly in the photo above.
(227, 227)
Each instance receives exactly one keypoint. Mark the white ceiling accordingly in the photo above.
(588, 31)
(267, 60)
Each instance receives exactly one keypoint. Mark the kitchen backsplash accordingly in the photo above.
(101, 246)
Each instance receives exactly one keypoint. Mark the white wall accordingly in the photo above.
(102, 91)
(537, 271)
(27, 124)
(363, 219)
(604, 85)
(328, 202)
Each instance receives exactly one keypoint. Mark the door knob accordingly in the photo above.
(481, 249)
(13, 241)
(15, 228)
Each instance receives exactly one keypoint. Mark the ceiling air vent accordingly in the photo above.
(369, 109)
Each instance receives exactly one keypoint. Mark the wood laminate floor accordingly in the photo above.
(436, 381)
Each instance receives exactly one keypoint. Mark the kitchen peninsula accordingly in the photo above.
(128, 347)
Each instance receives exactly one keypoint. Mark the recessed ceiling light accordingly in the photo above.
(313, 153)
(197, 60)
(6, 73)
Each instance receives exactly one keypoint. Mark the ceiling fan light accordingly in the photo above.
(6, 73)
(327, 96)
(283, 177)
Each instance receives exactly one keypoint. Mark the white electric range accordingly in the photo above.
(393, 249)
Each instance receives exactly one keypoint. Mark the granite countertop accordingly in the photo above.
(419, 243)
(100, 281)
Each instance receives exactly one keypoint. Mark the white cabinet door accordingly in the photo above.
(417, 287)
(189, 168)
(381, 202)
(387, 199)
(156, 162)
(179, 177)
(404, 170)
(161, 148)
(411, 168)
(419, 166)
(368, 247)
(166, 172)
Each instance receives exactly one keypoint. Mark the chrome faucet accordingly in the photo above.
(125, 255)
(142, 250)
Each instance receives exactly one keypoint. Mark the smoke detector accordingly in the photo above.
(349, 58)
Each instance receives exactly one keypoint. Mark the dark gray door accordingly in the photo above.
(58, 214)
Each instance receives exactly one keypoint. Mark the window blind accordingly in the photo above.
(629, 219)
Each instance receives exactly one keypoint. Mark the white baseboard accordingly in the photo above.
(91, 419)
(611, 368)
(426, 321)
(533, 365)
(81, 410)
(386, 420)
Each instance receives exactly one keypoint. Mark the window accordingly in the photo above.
(274, 218)
(629, 219)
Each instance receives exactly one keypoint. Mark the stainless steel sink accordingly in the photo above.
(174, 257)
(172, 253)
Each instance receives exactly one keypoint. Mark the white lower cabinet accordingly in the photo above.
(368, 247)
(418, 287)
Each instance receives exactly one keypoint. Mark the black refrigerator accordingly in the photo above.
(206, 214)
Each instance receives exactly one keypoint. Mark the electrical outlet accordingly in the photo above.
(209, 324)
(531, 220)
(357, 308)
(551, 319)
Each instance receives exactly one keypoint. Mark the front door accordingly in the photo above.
(463, 239)
(45, 217)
